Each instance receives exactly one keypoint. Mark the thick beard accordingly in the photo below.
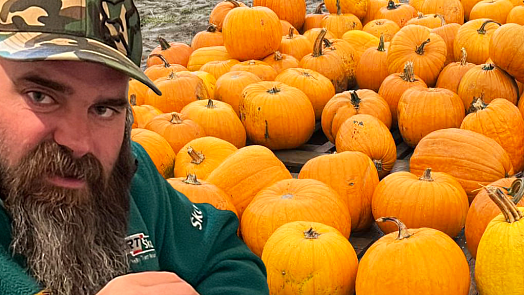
(73, 240)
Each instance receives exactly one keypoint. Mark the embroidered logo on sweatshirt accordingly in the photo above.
(139, 244)
(197, 218)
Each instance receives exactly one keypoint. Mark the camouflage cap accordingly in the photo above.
(102, 31)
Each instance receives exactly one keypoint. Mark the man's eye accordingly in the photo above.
(40, 98)
(105, 112)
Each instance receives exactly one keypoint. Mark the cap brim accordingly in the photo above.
(29, 46)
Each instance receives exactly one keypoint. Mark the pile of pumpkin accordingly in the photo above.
(452, 89)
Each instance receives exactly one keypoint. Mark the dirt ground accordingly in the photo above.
(179, 20)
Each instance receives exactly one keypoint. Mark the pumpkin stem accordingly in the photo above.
(317, 47)
(339, 10)
(172, 75)
(235, 3)
(516, 190)
(273, 90)
(408, 74)
(355, 100)
(278, 56)
(196, 157)
(318, 10)
(311, 234)
(164, 45)
(482, 29)
(509, 209)
(210, 104)
(478, 104)
(381, 47)
(192, 179)
(442, 19)
(420, 49)
(287, 197)
(164, 60)
(420, 15)
(403, 232)
(132, 99)
(488, 67)
(251, 62)
(211, 28)
(427, 175)
(291, 31)
(378, 165)
(391, 5)
(175, 118)
(463, 56)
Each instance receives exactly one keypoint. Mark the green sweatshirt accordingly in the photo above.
(169, 233)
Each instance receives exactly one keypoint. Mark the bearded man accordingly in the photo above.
(83, 209)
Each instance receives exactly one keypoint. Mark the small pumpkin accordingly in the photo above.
(430, 20)
(360, 41)
(209, 81)
(497, 10)
(262, 69)
(474, 36)
(204, 55)
(217, 68)
(373, 67)
(358, 8)
(338, 23)
(138, 90)
(451, 10)
(382, 27)
(400, 13)
(516, 15)
(373, 7)
(173, 52)
(210, 37)
(158, 150)
(507, 50)
(229, 87)
(280, 61)
(312, 34)
(296, 45)
(448, 32)
(451, 75)
(348, 54)
(220, 11)
(286, 27)
(313, 20)
(158, 71)
(142, 114)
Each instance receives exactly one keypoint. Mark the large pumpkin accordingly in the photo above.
(496, 10)
(366, 134)
(424, 110)
(218, 119)
(306, 272)
(426, 50)
(292, 200)
(373, 67)
(413, 261)
(472, 158)
(353, 175)
(506, 49)
(276, 115)
(201, 156)
(245, 172)
(229, 87)
(158, 150)
(293, 11)
(501, 121)
(435, 200)
(251, 33)
(474, 36)
(451, 75)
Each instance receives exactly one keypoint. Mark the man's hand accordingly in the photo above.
(148, 283)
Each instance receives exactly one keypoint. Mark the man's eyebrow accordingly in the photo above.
(120, 102)
(37, 79)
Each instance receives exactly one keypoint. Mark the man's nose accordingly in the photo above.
(74, 133)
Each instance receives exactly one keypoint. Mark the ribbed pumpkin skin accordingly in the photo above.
(521, 105)
(276, 115)
(281, 62)
(158, 150)
(174, 53)
(251, 33)
(217, 68)
(143, 114)
(516, 15)
(366, 134)
(176, 128)
(343, 49)
(356, 7)
(203, 192)
(138, 89)
(472, 158)
(343, 105)
(312, 34)
(404, 45)
(500, 256)
(424, 110)
(244, 173)
(489, 82)
(353, 175)
(430, 20)
(155, 72)
(452, 11)
(207, 153)
(480, 213)
(229, 87)
(263, 70)
(210, 37)
(293, 11)
(448, 32)
(360, 41)
(204, 55)
(318, 88)
(292, 200)
(399, 13)
(304, 271)
(451, 75)
(496, 10)
(501, 121)
(220, 11)
(429, 262)
(437, 201)
(510, 55)
(314, 19)
(475, 43)
(372, 68)
(296, 45)
(379, 27)
(338, 24)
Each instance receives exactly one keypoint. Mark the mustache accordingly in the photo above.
(60, 162)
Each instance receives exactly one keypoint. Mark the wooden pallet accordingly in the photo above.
(319, 145)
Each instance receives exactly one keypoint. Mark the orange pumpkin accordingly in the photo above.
(451, 10)
(262, 69)
(360, 41)
(210, 37)
(365, 133)
(474, 36)
(373, 67)
(201, 191)
(348, 103)
(287, 27)
(434, 200)
(497, 10)
(296, 45)
(427, 20)
(229, 87)
(292, 200)
(217, 68)
(373, 7)
(158, 71)
(509, 57)
(138, 90)
(220, 11)
(318, 88)
(313, 20)
(451, 75)
(176, 128)
(338, 23)
(382, 27)
(489, 82)
(353, 175)
(395, 85)
(247, 171)
(174, 53)
(358, 8)
(245, 28)
(292, 11)
(424, 110)
(201, 156)
(343, 49)
(218, 119)
(142, 114)
(204, 55)
(312, 35)
(516, 15)
(280, 61)
(448, 32)
(399, 13)
(416, 43)
(472, 158)
(276, 115)
(158, 150)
